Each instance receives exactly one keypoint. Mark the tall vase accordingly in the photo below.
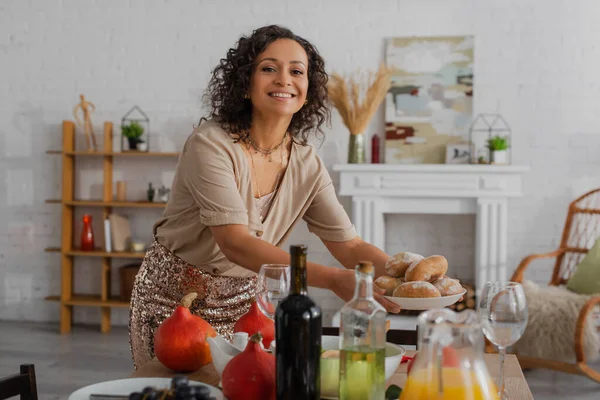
(356, 149)
(87, 234)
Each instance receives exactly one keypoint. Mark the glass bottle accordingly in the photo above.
(87, 234)
(375, 152)
(450, 362)
(362, 341)
(298, 337)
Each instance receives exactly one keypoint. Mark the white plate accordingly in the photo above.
(410, 303)
(128, 386)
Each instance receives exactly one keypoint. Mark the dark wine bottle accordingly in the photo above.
(298, 337)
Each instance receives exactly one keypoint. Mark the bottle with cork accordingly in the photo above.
(362, 341)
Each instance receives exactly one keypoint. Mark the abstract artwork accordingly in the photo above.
(430, 103)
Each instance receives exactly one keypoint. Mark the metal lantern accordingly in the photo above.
(488, 129)
(135, 130)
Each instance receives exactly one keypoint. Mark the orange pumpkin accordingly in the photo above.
(255, 321)
(180, 341)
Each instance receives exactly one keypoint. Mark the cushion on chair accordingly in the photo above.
(553, 314)
(586, 278)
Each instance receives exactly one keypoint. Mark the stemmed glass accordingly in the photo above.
(503, 315)
(272, 286)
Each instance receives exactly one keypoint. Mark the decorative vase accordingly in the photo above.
(500, 157)
(375, 143)
(142, 146)
(87, 234)
(150, 192)
(132, 143)
(356, 149)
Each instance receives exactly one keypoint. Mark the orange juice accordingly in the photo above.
(457, 385)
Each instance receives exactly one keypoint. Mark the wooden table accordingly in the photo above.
(515, 382)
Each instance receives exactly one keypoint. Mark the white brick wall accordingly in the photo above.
(536, 63)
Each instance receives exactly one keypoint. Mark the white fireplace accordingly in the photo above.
(483, 190)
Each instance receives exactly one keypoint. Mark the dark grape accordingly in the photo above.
(148, 390)
(184, 393)
(136, 396)
(201, 390)
(153, 395)
(178, 381)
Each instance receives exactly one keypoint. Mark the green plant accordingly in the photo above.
(132, 131)
(497, 143)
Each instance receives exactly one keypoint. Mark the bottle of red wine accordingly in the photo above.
(298, 337)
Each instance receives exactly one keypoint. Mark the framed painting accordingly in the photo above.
(430, 102)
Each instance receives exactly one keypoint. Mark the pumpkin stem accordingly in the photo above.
(188, 299)
(257, 337)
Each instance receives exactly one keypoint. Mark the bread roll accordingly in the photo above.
(418, 289)
(388, 283)
(429, 269)
(399, 263)
(448, 286)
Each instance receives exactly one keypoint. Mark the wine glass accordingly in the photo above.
(503, 315)
(272, 286)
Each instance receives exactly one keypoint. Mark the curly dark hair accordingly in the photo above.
(230, 81)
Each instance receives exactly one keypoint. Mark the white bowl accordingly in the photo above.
(425, 303)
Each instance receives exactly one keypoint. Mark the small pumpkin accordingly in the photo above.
(180, 341)
(255, 321)
(251, 374)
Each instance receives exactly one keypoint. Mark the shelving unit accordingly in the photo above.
(67, 298)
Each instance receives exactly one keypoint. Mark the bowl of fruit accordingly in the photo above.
(177, 388)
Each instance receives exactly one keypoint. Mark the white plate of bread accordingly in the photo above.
(415, 282)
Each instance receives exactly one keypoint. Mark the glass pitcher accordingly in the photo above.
(450, 361)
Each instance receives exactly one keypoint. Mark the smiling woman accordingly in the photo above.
(269, 51)
(244, 179)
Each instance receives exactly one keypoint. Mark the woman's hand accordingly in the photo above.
(343, 284)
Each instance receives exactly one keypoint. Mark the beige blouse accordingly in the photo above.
(213, 186)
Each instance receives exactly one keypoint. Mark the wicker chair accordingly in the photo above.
(581, 229)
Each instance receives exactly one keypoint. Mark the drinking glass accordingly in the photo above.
(272, 286)
(503, 315)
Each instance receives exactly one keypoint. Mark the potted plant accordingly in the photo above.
(133, 132)
(498, 147)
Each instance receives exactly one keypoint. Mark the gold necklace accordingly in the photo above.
(265, 152)
(277, 181)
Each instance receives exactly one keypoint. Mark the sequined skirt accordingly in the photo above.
(161, 283)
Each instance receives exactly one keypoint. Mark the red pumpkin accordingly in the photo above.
(255, 321)
(251, 374)
(180, 341)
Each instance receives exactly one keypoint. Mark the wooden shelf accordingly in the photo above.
(114, 153)
(100, 253)
(96, 253)
(90, 300)
(69, 256)
(100, 203)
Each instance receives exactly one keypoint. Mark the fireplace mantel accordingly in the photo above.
(484, 190)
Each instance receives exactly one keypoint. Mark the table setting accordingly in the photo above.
(449, 364)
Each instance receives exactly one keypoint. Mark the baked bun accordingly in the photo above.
(416, 289)
(388, 283)
(428, 269)
(399, 263)
(448, 286)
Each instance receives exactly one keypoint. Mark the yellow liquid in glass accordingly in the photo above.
(457, 385)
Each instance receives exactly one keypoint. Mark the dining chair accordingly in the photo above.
(396, 336)
(21, 384)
